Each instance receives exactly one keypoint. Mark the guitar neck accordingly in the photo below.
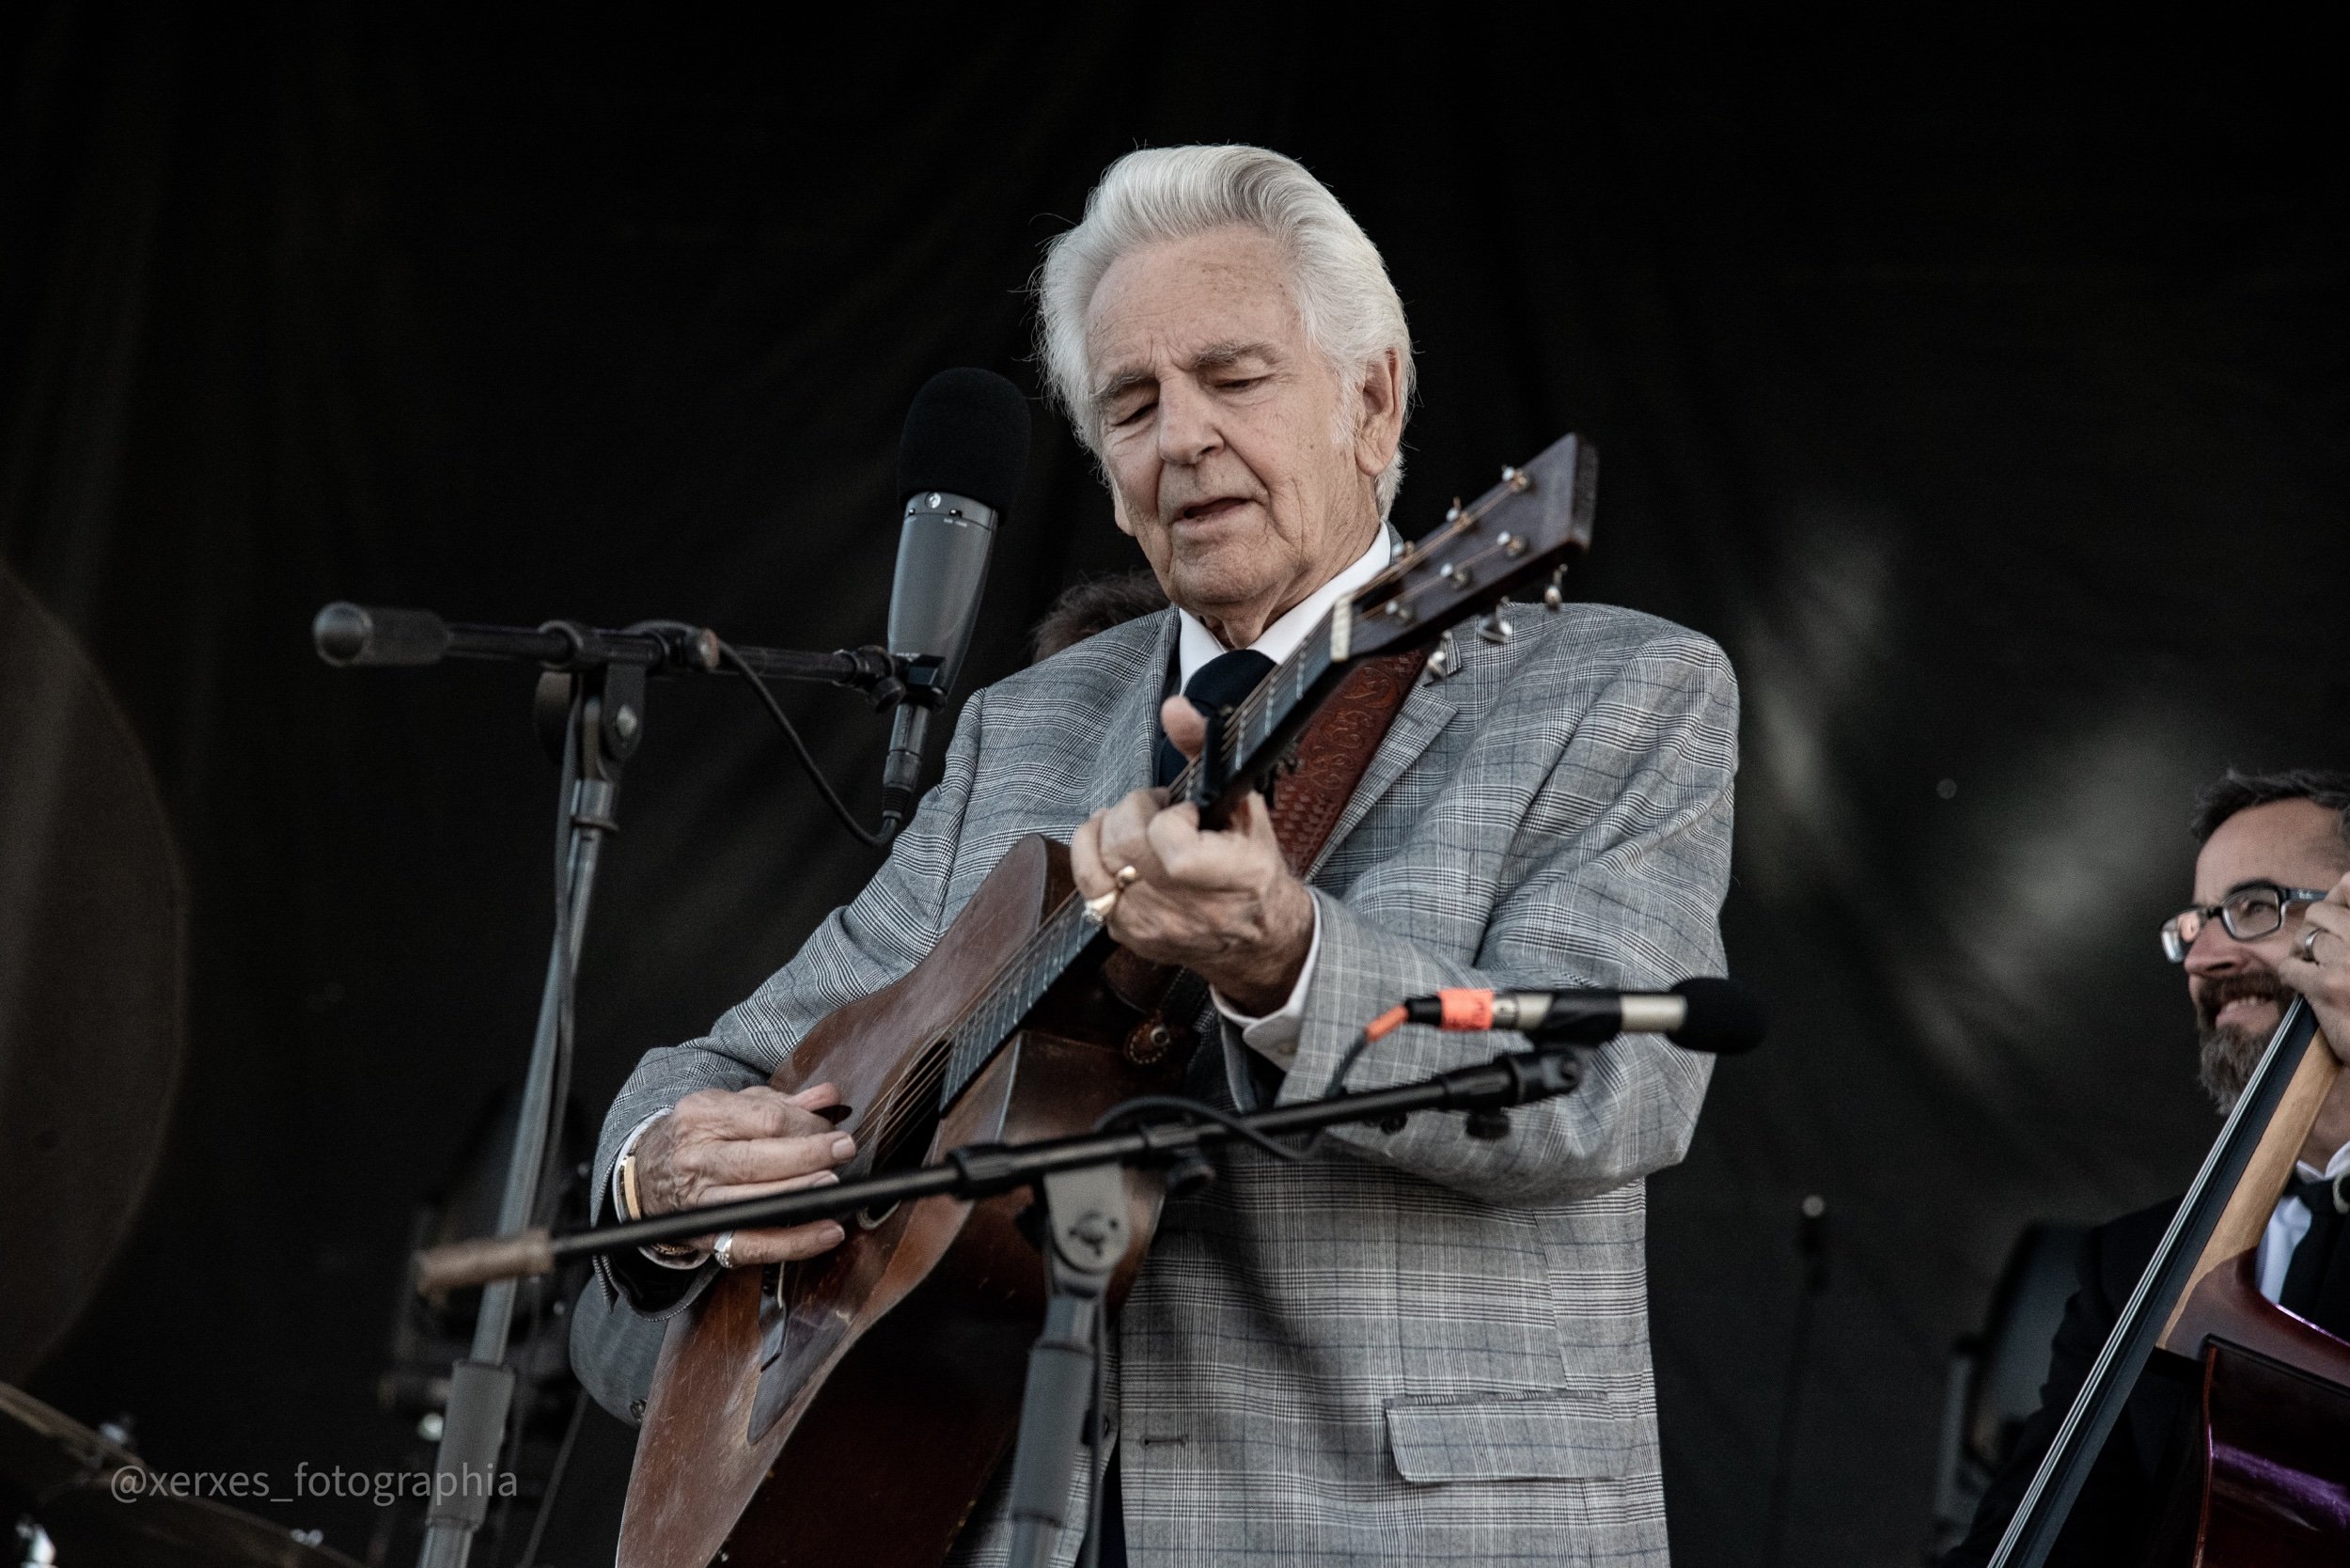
(1252, 740)
(1470, 562)
(1254, 736)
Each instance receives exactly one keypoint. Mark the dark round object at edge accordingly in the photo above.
(92, 958)
(90, 1523)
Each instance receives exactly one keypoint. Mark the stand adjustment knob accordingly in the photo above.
(1487, 1126)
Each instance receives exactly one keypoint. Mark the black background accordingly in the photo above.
(1982, 389)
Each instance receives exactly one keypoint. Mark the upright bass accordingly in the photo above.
(2269, 1479)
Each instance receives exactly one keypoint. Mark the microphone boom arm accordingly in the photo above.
(351, 636)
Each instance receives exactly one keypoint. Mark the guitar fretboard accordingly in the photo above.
(1416, 589)
(972, 1043)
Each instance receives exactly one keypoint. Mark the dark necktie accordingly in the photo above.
(1223, 682)
(2305, 1280)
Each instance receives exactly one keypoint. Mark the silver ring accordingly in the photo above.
(723, 1249)
(2308, 944)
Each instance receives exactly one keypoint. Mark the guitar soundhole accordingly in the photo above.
(912, 1128)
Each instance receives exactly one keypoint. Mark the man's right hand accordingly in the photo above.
(716, 1147)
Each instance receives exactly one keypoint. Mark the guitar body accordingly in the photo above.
(851, 1409)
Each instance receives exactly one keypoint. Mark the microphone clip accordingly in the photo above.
(915, 683)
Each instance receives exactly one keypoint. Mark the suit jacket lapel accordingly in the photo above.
(1423, 717)
(1130, 733)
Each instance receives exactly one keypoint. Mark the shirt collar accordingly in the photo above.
(2335, 1167)
(1198, 645)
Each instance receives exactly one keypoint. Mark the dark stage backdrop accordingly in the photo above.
(1984, 396)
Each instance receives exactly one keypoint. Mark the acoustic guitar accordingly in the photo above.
(851, 1409)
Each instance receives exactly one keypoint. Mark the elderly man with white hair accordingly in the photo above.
(1416, 1346)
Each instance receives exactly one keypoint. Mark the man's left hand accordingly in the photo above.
(1222, 903)
(2323, 976)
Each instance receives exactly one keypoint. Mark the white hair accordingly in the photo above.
(1351, 312)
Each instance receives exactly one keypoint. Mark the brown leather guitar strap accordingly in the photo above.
(1335, 752)
(1332, 755)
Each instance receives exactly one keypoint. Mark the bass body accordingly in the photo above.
(851, 1408)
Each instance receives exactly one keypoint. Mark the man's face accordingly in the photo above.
(2238, 999)
(1239, 459)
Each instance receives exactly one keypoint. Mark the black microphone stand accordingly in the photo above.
(1084, 1232)
(590, 705)
(602, 709)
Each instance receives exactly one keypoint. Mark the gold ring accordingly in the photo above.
(1097, 908)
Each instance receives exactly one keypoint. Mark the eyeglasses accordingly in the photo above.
(2251, 912)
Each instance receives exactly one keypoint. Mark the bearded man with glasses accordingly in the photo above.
(2271, 915)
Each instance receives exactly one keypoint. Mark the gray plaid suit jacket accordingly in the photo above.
(1415, 1347)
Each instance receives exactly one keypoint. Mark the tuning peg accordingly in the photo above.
(1496, 627)
(1552, 598)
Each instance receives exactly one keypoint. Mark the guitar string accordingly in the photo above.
(1019, 973)
(1021, 970)
(1463, 520)
(918, 1089)
(1235, 740)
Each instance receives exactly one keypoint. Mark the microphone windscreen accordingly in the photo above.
(1725, 1017)
(967, 435)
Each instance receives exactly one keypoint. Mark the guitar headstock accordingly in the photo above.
(1528, 529)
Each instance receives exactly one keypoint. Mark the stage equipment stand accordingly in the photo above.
(1087, 1236)
(1084, 1231)
(601, 711)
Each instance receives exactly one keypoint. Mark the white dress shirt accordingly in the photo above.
(2288, 1223)
(1275, 1035)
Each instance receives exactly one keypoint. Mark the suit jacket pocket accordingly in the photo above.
(1568, 1435)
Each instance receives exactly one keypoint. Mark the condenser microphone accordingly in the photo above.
(1707, 1014)
(960, 461)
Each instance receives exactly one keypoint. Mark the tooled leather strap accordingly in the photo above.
(1336, 750)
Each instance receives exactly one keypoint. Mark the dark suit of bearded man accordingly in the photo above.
(2271, 917)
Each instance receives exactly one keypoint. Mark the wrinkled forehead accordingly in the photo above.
(2294, 843)
(1182, 304)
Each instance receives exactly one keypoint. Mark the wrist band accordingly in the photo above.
(631, 1209)
(630, 1202)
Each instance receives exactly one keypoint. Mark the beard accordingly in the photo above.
(2230, 1054)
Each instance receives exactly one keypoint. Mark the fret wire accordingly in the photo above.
(1023, 987)
(975, 1038)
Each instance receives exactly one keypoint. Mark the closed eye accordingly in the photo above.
(1133, 413)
